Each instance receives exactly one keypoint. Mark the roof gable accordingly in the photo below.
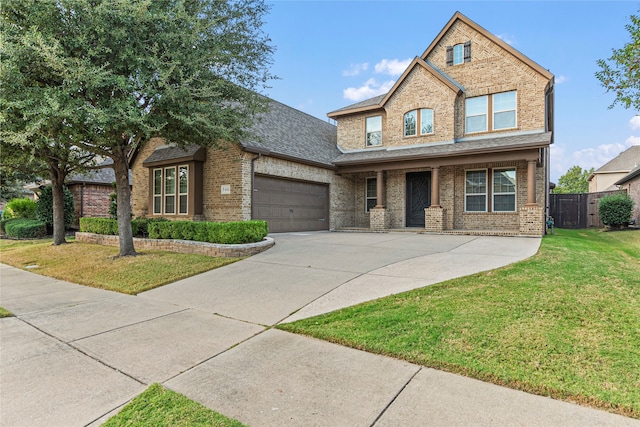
(623, 162)
(494, 39)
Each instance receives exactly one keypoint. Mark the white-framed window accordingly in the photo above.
(410, 123)
(458, 54)
(504, 110)
(504, 190)
(183, 190)
(373, 131)
(476, 114)
(424, 116)
(475, 191)
(171, 190)
(157, 191)
(371, 193)
(426, 121)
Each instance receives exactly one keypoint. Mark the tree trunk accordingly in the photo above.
(57, 192)
(123, 199)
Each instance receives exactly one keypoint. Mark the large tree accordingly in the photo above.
(36, 108)
(620, 73)
(574, 181)
(189, 71)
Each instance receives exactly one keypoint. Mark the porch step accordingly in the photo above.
(423, 231)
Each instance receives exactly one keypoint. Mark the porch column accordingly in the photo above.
(379, 188)
(531, 183)
(435, 187)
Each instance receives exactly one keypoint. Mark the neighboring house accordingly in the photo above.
(631, 184)
(460, 144)
(91, 192)
(605, 178)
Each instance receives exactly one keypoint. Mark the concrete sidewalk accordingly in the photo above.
(73, 355)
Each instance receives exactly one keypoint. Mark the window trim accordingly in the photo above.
(367, 198)
(458, 54)
(486, 114)
(370, 132)
(515, 110)
(164, 194)
(155, 194)
(419, 114)
(485, 194)
(495, 193)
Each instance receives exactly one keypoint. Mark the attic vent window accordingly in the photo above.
(459, 53)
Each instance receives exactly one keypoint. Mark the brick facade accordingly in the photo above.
(494, 67)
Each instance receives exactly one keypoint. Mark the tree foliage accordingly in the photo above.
(119, 72)
(573, 181)
(44, 206)
(620, 73)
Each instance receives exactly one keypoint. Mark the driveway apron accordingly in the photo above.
(73, 355)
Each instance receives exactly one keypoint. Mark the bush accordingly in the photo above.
(44, 206)
(213, 232)
(615, 210)
(143, 224)
(19, 208)
(25, 228)
(103, 226)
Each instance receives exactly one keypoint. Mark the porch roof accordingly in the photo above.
(496, 144)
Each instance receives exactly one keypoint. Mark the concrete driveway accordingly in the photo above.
(73, 355)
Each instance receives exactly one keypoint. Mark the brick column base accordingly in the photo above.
(434, 219)
(378, 219)
(532, 220)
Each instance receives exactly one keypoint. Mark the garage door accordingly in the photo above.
(289, 205)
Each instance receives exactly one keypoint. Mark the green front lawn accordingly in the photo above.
(100, 267)
(159, 407)
(564, 323)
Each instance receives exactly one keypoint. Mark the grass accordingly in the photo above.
(159, 407)
(5, 313)
(100, 267)
(564, 323)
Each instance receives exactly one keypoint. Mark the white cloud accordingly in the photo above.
(369, 89)
(561, 79)
(633, 140)
(392, 67)
(507, 38)
(635, 123)
(355, 69)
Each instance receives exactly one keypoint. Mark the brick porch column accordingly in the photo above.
(435, 187)
(379, 187)
(531, 183)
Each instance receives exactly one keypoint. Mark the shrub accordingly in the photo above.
(615, 210)
(213, 232)
(19, 208)
(143, 224)
(44, 206)
(25, 228)
(103, 226)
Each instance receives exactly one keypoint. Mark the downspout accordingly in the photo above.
(253, 171)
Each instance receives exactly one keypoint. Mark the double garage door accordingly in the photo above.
(289, 205)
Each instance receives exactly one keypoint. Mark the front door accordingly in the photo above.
(418, 197)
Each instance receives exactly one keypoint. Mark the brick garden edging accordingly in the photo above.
(182, 246)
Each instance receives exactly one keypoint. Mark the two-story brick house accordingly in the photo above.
(459, 144)
(461, 141)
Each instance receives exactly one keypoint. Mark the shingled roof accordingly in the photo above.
(291, 134)
(624, 162)
(459, 148)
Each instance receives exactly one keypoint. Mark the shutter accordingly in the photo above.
(449, 55)
(467, 51)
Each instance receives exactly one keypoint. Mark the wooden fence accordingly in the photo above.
(577, 210)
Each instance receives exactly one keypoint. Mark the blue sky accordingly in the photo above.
(330, 54)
